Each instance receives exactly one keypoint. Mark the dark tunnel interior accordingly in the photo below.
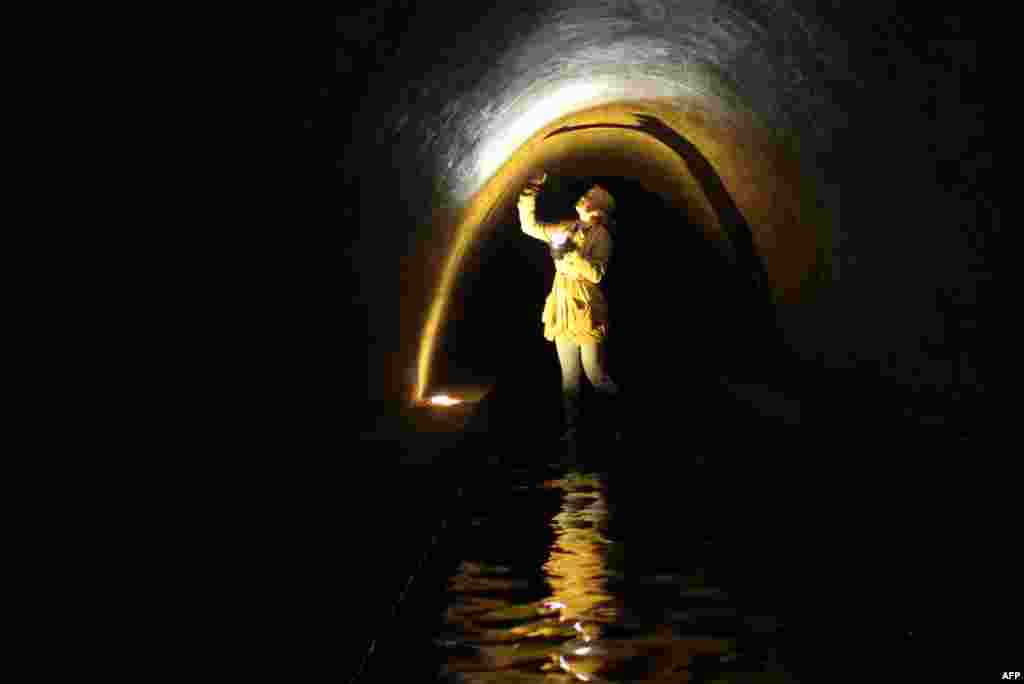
(806, 342)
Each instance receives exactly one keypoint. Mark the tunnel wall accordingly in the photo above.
(878, 109)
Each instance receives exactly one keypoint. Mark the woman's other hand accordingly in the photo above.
(562, 266)
(562, 257)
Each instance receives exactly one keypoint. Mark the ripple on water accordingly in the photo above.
(575, 618)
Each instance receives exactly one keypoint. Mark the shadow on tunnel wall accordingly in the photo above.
(749, 270)
(729, 215)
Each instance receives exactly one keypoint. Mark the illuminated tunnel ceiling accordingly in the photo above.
(798, 134)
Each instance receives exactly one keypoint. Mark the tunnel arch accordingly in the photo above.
(718, 184)
(671, 292)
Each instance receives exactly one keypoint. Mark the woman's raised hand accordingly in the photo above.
(536, 180)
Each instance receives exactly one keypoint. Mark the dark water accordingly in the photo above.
(740, 556)
(551, 580)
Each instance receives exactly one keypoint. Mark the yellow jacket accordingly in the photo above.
(576, 307)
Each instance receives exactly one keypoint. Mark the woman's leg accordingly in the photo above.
(569, 359)
(611, 409)
(594, 364)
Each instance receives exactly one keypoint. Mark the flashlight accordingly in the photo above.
(561, 245)
(443, 400)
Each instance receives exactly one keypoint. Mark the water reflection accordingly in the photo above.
(576, 567)
(582, 616)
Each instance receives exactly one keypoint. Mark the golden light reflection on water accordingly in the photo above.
(502, 628)
(576, 567)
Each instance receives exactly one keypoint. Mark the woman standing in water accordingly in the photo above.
(576, 311)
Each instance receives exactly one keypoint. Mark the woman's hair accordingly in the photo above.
(599, 198)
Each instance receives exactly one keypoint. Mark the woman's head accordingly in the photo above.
(595, 205)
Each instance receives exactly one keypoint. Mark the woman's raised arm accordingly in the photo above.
(534, 228)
